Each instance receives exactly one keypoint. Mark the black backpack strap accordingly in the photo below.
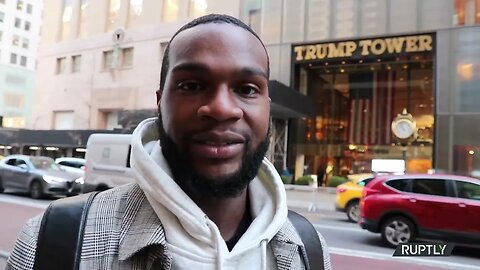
(60, 238)
(310, 240)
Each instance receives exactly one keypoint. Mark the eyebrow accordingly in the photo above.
(200, 68)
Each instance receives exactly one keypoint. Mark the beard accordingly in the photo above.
(190, 179)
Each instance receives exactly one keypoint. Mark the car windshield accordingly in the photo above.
(43, 163)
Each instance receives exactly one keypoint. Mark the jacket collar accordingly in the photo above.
(141, 228)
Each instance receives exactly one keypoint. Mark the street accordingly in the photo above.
(350, 247)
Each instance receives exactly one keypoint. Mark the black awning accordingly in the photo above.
(288, 103)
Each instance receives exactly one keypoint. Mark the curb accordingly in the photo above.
(330, 190)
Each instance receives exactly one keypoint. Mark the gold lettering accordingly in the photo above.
(412, 44)
(299, 53)
(335, 50)
(378, 46)
(425, 43)
(310, 53)
(365, 44)
(394, 45)
(350, 47)
(321, 51)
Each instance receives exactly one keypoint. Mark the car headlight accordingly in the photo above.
(79, 180)
(50, 179)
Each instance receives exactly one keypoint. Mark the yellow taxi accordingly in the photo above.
(349, 194)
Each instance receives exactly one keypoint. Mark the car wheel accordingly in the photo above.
(36, 191)
(397, 230)
(353, 211)
(1, 186)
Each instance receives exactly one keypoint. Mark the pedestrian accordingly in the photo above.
(204, 196)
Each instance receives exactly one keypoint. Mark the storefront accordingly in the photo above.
(358, 88)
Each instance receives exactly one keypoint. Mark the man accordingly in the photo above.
(204, 197)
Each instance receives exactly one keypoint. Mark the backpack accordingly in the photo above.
(65, 219)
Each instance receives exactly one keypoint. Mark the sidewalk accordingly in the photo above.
(311, 199)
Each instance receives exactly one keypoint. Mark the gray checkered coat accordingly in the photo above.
(123, 232)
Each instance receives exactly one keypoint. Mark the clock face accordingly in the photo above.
(403, 129)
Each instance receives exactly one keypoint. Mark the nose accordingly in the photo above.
(221, 105)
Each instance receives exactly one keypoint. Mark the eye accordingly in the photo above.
(248, 90)
(190, 86)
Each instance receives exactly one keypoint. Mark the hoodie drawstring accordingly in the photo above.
(263, 245)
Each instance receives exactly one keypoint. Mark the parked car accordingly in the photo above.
(430, 206)
(349, 194)
(72, 165)
(37, 176)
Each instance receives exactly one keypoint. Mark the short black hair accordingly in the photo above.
(211, 18)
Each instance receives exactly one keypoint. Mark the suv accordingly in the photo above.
(404, 207)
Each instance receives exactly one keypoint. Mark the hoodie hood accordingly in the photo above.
(191, 236)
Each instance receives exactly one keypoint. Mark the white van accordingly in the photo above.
(107, 161)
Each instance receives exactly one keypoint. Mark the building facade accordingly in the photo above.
(359, 62)
(20, 22)
(363, 62)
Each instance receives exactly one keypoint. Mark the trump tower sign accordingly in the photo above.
(373, 47)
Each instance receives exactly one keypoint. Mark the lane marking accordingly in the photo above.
(338, 228)
(379, 256)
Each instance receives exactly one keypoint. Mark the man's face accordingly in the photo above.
(215, 109)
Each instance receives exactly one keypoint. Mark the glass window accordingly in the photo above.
(13, 58)
(66, 18)
(373, 17)
(26, 26)
(19, 5)
(467, 190)
(113, 10)
(108, 59)
(63, 120)
(25, 43)
(398, 184)
(61, 64)
(127, 57)
(345, 19)
(467, 12)
(252, 14)
(18, 22)
(197, 8)
(134, 12)
(76, 63)
(15, 40)
(365, 181)
(403, 16)
(430, 186)
(318, 19)
(111, 120)
(23, 61)
(13, 100)
(29, 8)
(170, 10)
(84, 18)
(271, 20)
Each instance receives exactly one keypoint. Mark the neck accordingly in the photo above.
(226, 213)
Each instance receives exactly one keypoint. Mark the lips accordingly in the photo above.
(217, 144)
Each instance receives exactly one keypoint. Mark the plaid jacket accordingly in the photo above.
(123, 232)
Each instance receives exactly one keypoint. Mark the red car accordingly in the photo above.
(429, 206)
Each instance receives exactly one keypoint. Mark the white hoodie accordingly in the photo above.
(193, 240)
